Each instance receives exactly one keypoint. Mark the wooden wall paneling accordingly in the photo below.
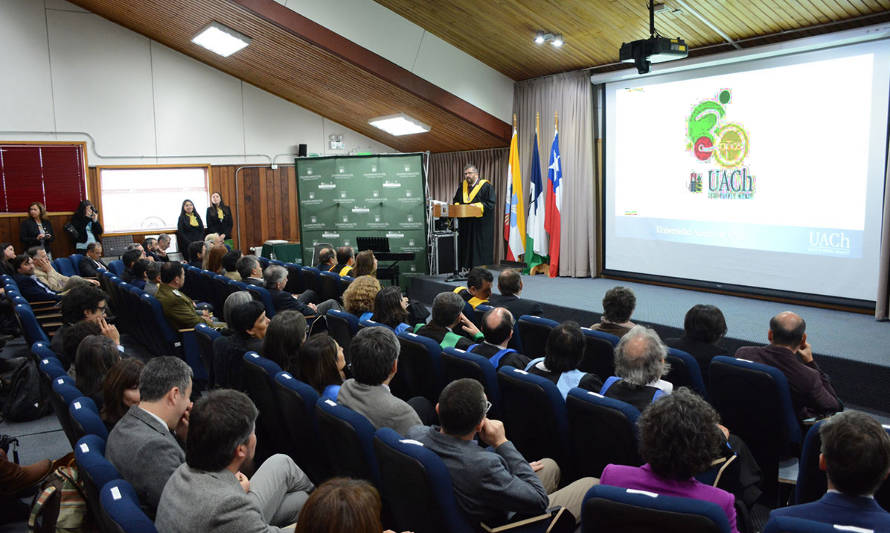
(292, 205)
(61, 246)
(264, 211)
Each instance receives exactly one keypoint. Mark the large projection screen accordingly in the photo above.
(766, 174)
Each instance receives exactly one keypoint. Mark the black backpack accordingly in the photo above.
(25, 395)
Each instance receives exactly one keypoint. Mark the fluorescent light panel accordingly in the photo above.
(399, 124)
(221, 39)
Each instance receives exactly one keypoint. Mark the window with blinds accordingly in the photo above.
(53, 174)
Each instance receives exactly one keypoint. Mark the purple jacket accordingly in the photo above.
(811, 390)
(643, 478)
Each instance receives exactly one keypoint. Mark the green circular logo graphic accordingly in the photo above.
(731, 147)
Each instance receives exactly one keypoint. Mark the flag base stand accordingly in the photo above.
(541, 268)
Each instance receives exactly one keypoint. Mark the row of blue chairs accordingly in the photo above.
(36, 322)
(111, 500)
(70, 266)
(140, 315)
(327, 439)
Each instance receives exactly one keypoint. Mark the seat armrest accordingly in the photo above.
(555, 520)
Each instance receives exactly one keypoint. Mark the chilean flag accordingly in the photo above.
(554, 204)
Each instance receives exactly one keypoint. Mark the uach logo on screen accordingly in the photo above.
(726, 144)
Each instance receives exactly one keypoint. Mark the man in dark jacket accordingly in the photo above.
(510, 285)
(90, 265)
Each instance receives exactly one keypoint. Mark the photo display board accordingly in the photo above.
(342, 198)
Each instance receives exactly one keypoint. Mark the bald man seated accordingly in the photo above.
(788, 351)
(497, 326)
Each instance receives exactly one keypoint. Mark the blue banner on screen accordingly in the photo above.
(816, 241)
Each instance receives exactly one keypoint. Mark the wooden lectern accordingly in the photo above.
(457, 211)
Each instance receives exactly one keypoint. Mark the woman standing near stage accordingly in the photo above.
(219, 218)
(190, 227)
(36, 230)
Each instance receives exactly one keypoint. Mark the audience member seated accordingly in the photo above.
(447, 315)
(152, 278)
(164, 242)
(391, 309)
(510, 285)
(327, 259)
(228, 263)
(46, 274)
(139, 274)
(232, 301)
(179, 309)
(618, 305)
(492, 483)
(478, 289)
(31, 288)
(146, 445)
(249, 325)
(345, 261)
(213, 259)
(375, 360)
(358, 298)
(120, 390)
(703, 329)
(639, 365)
(788, 351)
(19, 481)
(213, 239)
(284, 338)
(322, 364)
(95, 355)
(209, 493)
(679, 437)
(856, 459)
(196, 254)
(90, 265)
(81, 303)
(497, 326)
(562, 355)
(6, 260)
(135, 246)
(275, 278)
(342, 504)
(250, 270)
(129, 259)
(150, 245)
(365, 264)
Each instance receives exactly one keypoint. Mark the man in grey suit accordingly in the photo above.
(375, 360)
(146, 444)
(209, 492)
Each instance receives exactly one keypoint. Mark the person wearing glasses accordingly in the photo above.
(83, 303)
(491, 483)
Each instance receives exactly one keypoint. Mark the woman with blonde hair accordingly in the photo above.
(213, 259)
(358, 298)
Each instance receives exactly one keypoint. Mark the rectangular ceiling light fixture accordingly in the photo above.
(221, 39)
(399, 124)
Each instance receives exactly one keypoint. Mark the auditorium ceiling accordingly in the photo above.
(499, 32)
(313, 67)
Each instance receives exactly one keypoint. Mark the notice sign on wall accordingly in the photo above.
(343, 198)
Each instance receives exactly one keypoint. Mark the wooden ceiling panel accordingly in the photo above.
(594, 29)
(310, 66)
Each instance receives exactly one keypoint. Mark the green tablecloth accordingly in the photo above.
(288, 252)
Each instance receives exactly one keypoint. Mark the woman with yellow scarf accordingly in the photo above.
(190, 227)
(219, 218)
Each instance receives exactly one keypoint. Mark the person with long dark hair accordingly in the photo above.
(36, 230)
(284, 337)
(86, 221)
(120, 390)
(7, 254)
(391, 309)
(190, 227)
(219, 218)
(321, 365)
(703, 329)
(95, 355)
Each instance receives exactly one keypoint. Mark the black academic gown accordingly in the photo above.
(476, 235)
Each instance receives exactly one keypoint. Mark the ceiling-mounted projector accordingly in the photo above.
(652, 50)
(655, 49)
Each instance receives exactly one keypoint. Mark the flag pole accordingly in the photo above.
(556, 120)
(538, 129)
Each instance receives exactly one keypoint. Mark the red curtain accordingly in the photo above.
(51, 174)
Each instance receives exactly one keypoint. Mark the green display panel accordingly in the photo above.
(342, 198)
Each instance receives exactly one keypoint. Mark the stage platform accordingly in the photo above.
(854, 349)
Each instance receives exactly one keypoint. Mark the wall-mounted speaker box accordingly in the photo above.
(301, 150)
